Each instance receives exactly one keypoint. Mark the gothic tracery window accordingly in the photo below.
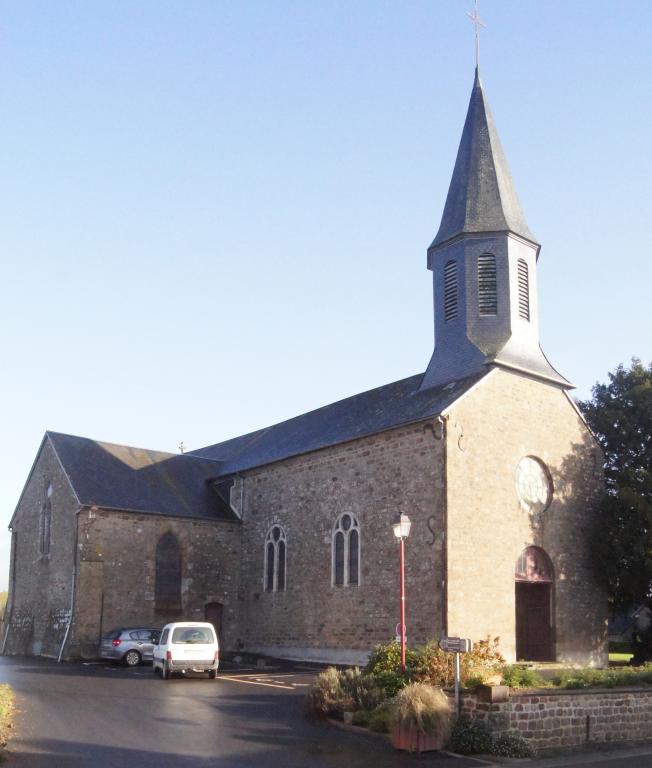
(346, 551)
(275, 552)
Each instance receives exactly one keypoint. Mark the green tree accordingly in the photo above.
(620, 415)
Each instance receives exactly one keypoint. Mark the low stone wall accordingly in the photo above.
(549, 719)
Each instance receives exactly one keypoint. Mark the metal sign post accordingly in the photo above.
(456, 645)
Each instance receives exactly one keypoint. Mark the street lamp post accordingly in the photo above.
(401, 528)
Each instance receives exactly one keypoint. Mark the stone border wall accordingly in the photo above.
(549, 719)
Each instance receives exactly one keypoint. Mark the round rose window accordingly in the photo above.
(533, 485)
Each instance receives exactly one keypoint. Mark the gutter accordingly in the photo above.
(73, 588)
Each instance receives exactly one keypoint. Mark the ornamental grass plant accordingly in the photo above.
(421, 707)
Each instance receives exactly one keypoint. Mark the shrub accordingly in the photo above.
(361, 689)
(385, 666)
(335, 691)
(379, 719)
(484, 661)
(606, 678)
(436, 667)
(469, 737)
(520, 676)
(328, 696)
(511, 745)
(422, 707)
(361, 717)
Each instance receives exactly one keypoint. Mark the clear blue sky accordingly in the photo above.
(214, 215)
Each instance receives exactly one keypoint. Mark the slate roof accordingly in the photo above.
(482, 196)
(153, 482)
(365, 414)
(122, 477)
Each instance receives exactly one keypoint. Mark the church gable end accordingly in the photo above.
(42, 557)
(518, 479)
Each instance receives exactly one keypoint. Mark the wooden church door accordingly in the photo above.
(534, 625)
(213, 613)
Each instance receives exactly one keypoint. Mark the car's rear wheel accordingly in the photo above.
(165, 672)
(132, 658)
(212, 673)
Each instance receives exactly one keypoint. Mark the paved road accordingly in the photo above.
(73, 716)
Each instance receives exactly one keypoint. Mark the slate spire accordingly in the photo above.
(481, 197)
(484, 266)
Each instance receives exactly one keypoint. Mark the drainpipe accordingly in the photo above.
(441, 420)
(73, 586)
(9, 614)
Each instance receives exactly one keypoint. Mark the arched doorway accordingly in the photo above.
(534, 601)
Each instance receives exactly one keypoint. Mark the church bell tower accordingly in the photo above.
(483, 261)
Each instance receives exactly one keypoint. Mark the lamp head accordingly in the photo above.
(401, 526)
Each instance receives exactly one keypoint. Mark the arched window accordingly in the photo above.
(346, 551)
(275, 550)
(168, 575)
(523, 290)
(45, 522)
(534, 565)
(487, 291)
(450, 291)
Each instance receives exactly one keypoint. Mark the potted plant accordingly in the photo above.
(420, 718)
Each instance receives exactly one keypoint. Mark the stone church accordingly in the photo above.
(283, 537)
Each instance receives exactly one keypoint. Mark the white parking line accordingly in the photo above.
(262, 676)
(257, 682)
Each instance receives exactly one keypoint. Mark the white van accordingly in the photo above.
(185, 646)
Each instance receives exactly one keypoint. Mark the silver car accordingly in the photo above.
(130, 646)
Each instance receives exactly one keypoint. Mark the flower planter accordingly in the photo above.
(493, 694)
(409, 738)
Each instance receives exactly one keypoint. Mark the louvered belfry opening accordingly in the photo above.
(523, 290)
(450, 291)
(487, 294)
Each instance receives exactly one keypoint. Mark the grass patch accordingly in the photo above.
(620, 658)
(6, 712)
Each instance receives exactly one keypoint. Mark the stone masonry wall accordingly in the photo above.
(505, 418)
(374, 478)
(40, 589)
(117, 554)
(550, 719)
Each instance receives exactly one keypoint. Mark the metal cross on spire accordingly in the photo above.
(477, 23)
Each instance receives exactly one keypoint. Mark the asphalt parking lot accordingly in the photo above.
(72, 715)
